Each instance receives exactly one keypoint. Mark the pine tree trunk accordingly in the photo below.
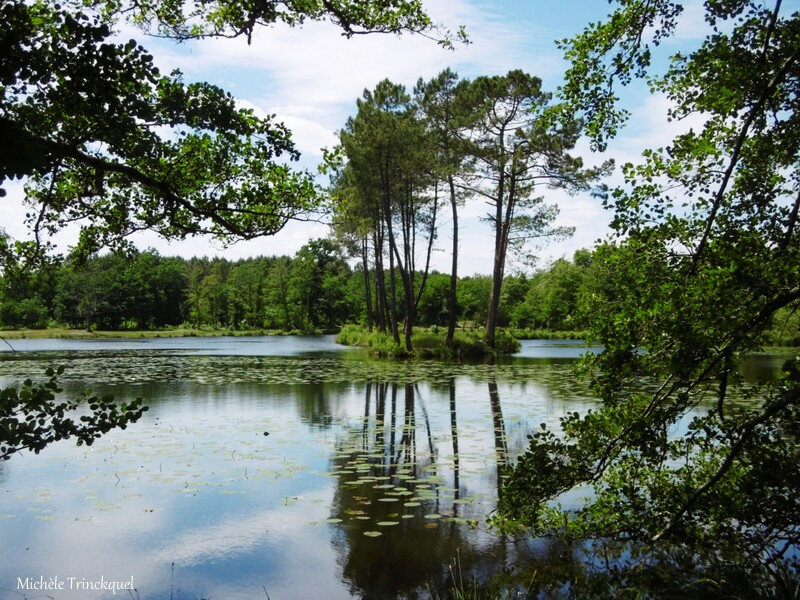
(393, 300)
(380, 284)
(452, 304)
(367, 290)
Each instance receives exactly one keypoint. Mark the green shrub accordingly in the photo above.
(352, 335)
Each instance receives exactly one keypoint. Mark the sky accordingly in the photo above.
(310, 77)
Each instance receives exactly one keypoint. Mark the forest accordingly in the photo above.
(314, 291)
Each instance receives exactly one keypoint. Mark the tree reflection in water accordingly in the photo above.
(414, 494)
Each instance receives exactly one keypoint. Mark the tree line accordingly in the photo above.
(315, 290)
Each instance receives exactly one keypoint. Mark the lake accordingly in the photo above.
(287, 466)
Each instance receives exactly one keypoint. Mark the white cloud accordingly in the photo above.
(14, 210)
(316, 66)
(691, 24)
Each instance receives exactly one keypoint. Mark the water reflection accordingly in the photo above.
(451, 388)
(412, 451)
(402, 510)
(499, 428)
(313, 403)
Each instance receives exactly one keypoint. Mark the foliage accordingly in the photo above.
(505, 342)
(231, 18)
(379, 342)
(31, 417)
(473, 298)
(681, 458)
(143, 291)
(516, 148)
(557, 298)
(392, 192)
(112, 143)
(29, 313)
(548, 334)
(316, 286)
(785, 329)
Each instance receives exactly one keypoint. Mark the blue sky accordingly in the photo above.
(310, 78)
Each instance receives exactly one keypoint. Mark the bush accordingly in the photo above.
(353, 335)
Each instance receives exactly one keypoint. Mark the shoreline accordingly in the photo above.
(188, 332)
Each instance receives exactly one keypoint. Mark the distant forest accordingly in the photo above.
(315, 290)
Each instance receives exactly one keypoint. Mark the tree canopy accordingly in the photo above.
(494, 138)
(516, 147)
(704, 257)
(110, 142)
(231, 18)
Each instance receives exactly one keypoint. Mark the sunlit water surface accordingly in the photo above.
(285, 466)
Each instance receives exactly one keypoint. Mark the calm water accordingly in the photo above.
(374, 474)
